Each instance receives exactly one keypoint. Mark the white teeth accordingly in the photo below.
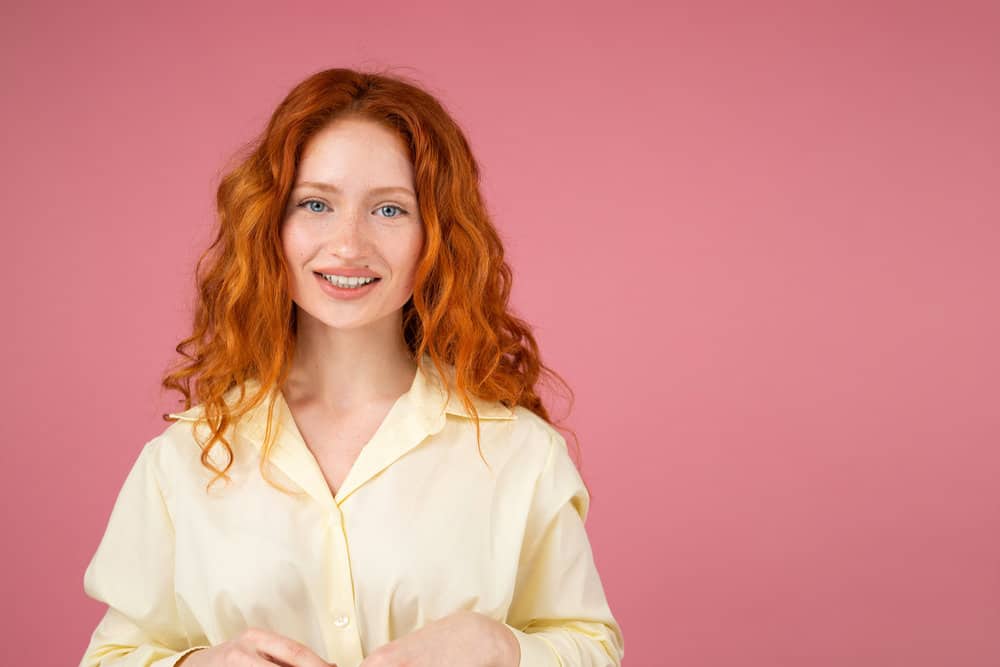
(342, 281)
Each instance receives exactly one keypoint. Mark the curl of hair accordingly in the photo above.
(244, 322)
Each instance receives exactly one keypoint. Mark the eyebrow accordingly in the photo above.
(329, 187)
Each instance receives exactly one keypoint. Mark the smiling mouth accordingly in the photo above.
(353, 282)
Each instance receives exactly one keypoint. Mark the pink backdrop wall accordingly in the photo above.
(760, 242)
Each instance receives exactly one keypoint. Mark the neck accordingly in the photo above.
(348, 369)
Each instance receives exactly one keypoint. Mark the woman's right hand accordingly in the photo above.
(255, 647)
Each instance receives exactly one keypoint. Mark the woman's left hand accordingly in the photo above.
(462, 639)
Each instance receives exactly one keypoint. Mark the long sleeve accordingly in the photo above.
(132, 572)
(559, 613)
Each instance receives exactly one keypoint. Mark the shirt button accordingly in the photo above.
(341, 621)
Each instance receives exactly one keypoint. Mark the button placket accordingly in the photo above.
(346, 640)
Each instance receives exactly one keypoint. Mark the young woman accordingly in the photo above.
(369, 477)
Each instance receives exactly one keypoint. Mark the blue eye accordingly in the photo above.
(306, 203)
(401, 211)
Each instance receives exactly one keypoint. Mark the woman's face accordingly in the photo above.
(352, 212)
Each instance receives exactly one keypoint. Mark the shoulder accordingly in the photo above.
(534, 444)
(181, 433)
(173, 449)
(189, 431)
(180, 444)
(535, 431)
(557, 475)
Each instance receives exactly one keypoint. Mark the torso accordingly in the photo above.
(336, 441)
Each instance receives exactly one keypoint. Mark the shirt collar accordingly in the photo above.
(426, 394)
(417, 414)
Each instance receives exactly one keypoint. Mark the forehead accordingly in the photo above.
(354, 151)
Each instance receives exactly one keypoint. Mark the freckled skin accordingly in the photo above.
(355, 227)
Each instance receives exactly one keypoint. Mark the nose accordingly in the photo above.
(350, 234)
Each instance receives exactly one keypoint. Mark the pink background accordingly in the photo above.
(760, 242)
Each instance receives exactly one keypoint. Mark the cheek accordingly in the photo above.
(294, 245)
(294, 249)
(415, 246)
(409, 255)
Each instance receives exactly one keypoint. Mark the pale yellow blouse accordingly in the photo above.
(420, 528)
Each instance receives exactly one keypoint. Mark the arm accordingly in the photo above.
(559, 614)
(132, 572)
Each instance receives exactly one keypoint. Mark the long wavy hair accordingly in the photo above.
(244, 322)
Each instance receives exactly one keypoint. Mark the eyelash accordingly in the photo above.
(402, 211)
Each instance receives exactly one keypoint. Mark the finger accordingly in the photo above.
(296, 661)
(282, 650)
(271, 660)
(248, 656)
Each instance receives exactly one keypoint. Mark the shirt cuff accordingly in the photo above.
(536, 651)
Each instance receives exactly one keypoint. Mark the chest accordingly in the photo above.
(434, 532)
(335, 440)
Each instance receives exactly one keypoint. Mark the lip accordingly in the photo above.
(354, 273)
(345, 293)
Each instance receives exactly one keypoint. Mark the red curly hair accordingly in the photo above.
(244, 323)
